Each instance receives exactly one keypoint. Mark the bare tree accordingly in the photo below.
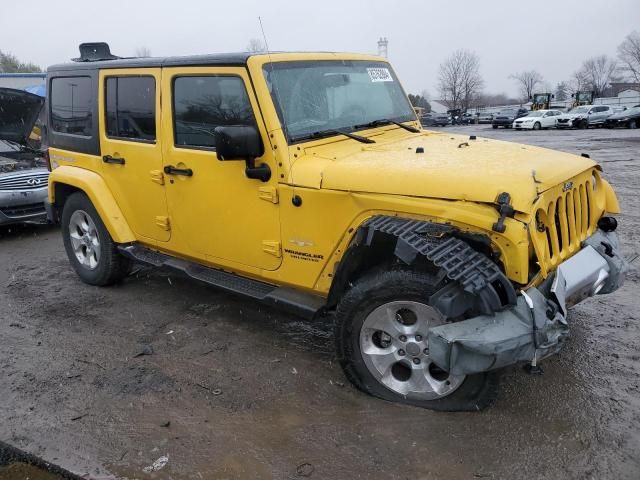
(10, 64)
(255, 46)
(629, 55)
(562, 91)
(527, 82)
(459, 80)
(143, 52)
(595, 74)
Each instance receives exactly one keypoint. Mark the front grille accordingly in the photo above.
(23, 210)
(25, 181)
(565, 216)
(563, 120)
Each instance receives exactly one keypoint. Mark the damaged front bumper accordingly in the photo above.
(536, 326)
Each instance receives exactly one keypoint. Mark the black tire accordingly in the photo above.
(111, 266)
(377, 288)
(584, 124)
(494, 126)
(537, 126)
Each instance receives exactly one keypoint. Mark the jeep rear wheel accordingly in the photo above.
(381, 339)
(91, 250)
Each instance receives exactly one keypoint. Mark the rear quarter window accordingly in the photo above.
(71, 105)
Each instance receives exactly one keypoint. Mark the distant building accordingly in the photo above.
(616, 88)
(20, 81)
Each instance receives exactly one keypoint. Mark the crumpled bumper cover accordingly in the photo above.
(536, 326)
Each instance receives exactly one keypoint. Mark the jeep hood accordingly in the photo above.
(18, 114)
(452, 167)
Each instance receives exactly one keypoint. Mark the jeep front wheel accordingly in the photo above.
(381, 338)
(91, 250)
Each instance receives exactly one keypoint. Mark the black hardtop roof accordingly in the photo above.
(226, 59)
(231, 59)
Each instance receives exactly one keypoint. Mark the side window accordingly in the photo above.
(130, 105)
(71, 105)
(200, 104)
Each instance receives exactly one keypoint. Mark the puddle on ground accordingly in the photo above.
(21, 471)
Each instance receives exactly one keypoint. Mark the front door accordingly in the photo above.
(131, 150)
(220, 214)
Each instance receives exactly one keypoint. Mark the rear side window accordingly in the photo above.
(130, 104)
(71, 105)
(200, 104)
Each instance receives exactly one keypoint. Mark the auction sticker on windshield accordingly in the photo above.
(380, 75)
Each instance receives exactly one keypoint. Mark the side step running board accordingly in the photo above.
(300, 303)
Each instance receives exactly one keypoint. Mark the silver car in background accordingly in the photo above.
(23, 167)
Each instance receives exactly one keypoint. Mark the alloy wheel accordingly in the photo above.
(394, 347)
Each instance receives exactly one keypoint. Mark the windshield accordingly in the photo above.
(580, 110)
(507, 112)
(535, 114)
(324, 96)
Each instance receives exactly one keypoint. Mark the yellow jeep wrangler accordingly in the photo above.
(303, 180)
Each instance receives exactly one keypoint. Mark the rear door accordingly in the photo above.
(131, 150)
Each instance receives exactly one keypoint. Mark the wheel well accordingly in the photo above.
(359, 259)
(62, 192)
(392, 242)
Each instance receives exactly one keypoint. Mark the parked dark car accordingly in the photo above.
(485, 117)
(506, 117)
(427, 120)
(469, 118)
(442, 119)
(23, 168)
(629, 118)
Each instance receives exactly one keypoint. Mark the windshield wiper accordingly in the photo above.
(387, 121)
(327, 133)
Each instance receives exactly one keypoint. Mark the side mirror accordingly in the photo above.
(242, 142)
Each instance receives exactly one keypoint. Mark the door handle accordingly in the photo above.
(114, 160)
(171, 170)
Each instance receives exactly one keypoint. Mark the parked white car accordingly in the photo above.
(537, 120)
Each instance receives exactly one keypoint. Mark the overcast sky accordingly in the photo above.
(551, 36)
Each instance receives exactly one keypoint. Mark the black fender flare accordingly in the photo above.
(474, 274)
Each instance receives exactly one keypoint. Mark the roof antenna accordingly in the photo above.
(295, 199)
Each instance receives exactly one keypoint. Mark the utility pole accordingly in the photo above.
(383, 47)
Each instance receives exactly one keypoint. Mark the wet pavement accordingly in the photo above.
(233, 390)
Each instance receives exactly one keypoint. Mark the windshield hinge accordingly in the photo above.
(268, 194)
(163, 222)
(272, 248)
(157, 176)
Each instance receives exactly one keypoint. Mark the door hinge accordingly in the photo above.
(268, 194)
(157, 176)
(163, 222)
(272, 248)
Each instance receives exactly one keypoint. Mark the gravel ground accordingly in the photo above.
(233, 390)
